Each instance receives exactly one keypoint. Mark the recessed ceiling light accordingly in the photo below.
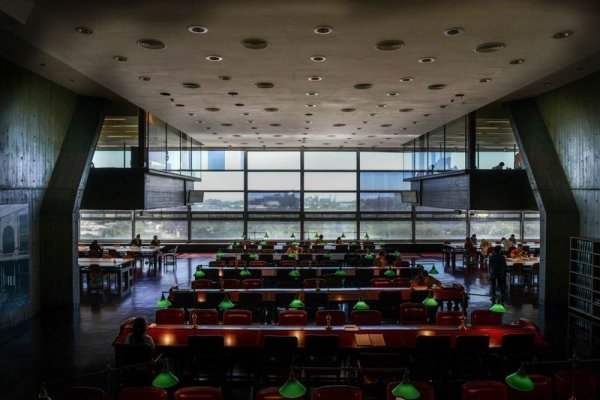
(199, 122)
(382, 105)
(213, 109)
(415, 122)
(264, 85)
(271, 109)
(312, 93)
(315, 78)
(443, 106)
(323, 30)
(389, 45)
(214, 58)
(120, 58)
(165, 93)
(179, 105)
(199, 29)
(152, 44)
(373, 114)
(437, 86)
(406, 109)
(84, 30)
(224, 77)
(338, 125)
(226, 124)
(254, 127)
(427, 115)
(562, 34)
(246, 113)
(426, 60)
(517, 61)
(485, 80)
(489, 47)
(144, 78)
(237, 135)
(42, 65)
(310, 105)
(455, 31)
(275, 124)
(255, 44)
(232, 93)
(191, 114)
(318, 58)
(392, 94)
(363, 86)
(307, 122)
(250, 121)
(239, 104)
(407, 79)
(190, 85)
(308, 114)
(348, 109)
(386, 125)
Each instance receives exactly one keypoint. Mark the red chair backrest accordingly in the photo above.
(541, 391)
(426, 390)
(205, 317)
(413, 313)
(252, 283)
(237, 263)
(366, 317)
(337, 392)
(237, 317)
(312, 283)
(338, 317)
(202, 284)
(231, 283)
(216, 263)
(484, 390)
(287, 263)
(170, 316)
(381, 282)
(146, 393)
(258, 263)
(401, 263)
(198, 393)
(292, 317)
(83, 392)
(272, 393)
(485, 317)
(401, 282)
(448, 318)
(584, 382)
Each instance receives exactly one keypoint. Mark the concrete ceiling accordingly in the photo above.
(372, 117)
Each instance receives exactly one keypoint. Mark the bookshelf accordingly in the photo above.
(584, 276)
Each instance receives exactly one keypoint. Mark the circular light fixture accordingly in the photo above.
(199, 29)
(323, 30)
(455, 31)
(517, 61)
(224, 77)
(275, 125)
(152, 44)
(318, 58)
(271, 109)
(191, 114)
(190, 85)
(427, 115)
(489, 47)
(562, 34)
(315, 78)
(389, 45)
(212, 109)
(363, 86)
(312, 93)
(348, 109)
(214, 58)
(232, 93)
(165, 93)
(308, 114)
(372, 114)
(407, 79)
(120, 58)
(227, 124)
(179, 105)
(264, 85)
(338, 125)
(381, 105)
(199, 121)
(310, 105)
(84, 30)
(392, 94)
(255, 44)
(386, 125)
(437, 86)
(443, 106)
(406, 109)
(144, 78)
(485, 80)
(427, 60)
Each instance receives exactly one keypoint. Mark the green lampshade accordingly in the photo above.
(199, 274)
(163, 302)
(433, 271)
(327, 255)
(254, 256)
(389, 273)
(381, 244)
(262, 243)
(165, 379)
(343, 236)
(292, 389)
(520, 381)
(397, 254)
(340, 272)
(226, 303)
(361, 305)
(369, 257)
(292, 255)
(245, 272)
(430, 301)
(406, 390)
(297, 303)
(294, 273)
(219, 254)
(498, 307)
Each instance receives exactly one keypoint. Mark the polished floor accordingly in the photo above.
(58, 347)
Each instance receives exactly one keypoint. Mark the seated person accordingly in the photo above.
(507, 244)
(319, 241)
(339, 240)
(513, 239)
(486, 248)
(499, 166)
(138, 334)
(292, 248)
(381, 260)
(137, 242)
(423, 279)
(95, 246)
(517, 252)
(155, 241)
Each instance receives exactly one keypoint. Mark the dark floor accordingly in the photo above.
(64, 344)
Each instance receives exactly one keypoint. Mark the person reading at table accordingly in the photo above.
(508, 245)
(381, 260)
(137, 242)
(497, 265)
(155, 241)
(512, 239)
(138, 334)
(424, 279)
(339, 240)
(95, 246)
(517, 252)
(319, 241)
(293, 249)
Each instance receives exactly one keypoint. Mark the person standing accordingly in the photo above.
(137, 242)
(497, 266)
(155, 242)
(95, 246)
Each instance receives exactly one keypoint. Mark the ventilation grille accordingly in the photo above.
(489, 47)
(255, 44)
(153, 44)
(389, 45)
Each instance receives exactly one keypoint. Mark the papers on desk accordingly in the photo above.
(350, 328)
(369, 339)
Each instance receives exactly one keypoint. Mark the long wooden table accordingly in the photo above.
(450, 250)
(150, 252)
(120, 267)
(407, 272)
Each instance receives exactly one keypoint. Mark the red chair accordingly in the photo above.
(337, 392)
(237, 317)
(198, 393)
(381, 282)
(216, 264)
(272, 393)
(426, 390)
(146, 393)
(287, 263)
(170, 316)
(338, 317)
(258, 264)
(584, 382)
(205, 317)
(401, 282)
(485, 317)
(203, 284)
(484, 390)
(366, 317)
(541, 391)
(401, 263)
(413, 313)
(310, 283)
(82, 392)
(252, 283)
(231, 283)
(237, 263)
(292, 317)
(448, 318)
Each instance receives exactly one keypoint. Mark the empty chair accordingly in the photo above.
(198, 393)
(203, 284)
(337, 392)
(170, 316)
(517, 348)
(322, 351)
(237, 263)
(401, 282)
(287, 263)
(315, 300)
(278, 353)
(431, 357)
(334, 281)
(517, 270)
(271, 393)
(83, 393)
(306, 260)
(542, 389)
(413, 313)
(390, 361)
(146, 393)
(170, 257)
(366, 317)
(292, 317)
(389, 302)
(485, 317)
(449, 318)
(237, 317)
(210, 365)
(484, 390)
(205, 317)
(381, 282)
(252, 283)
(311, 283)
(216, 264)
(583, 383)
(426, 390)
(338, 317)
(231, 283)
(472, 353)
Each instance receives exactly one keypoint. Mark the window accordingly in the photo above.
(495, 229)
(274, 201)
(440, 230)
(105, 226)
(169, 225)
(329, 160)
(382, 202)
(273, 160)
(384, 181)
(329, 201)
(220, 180)
(217, 229)
(330, 229)
(330, 181)
(219, 160)
(385, 230)
(273, 181)
(383, 161)
(274, 229)
(221, 201)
